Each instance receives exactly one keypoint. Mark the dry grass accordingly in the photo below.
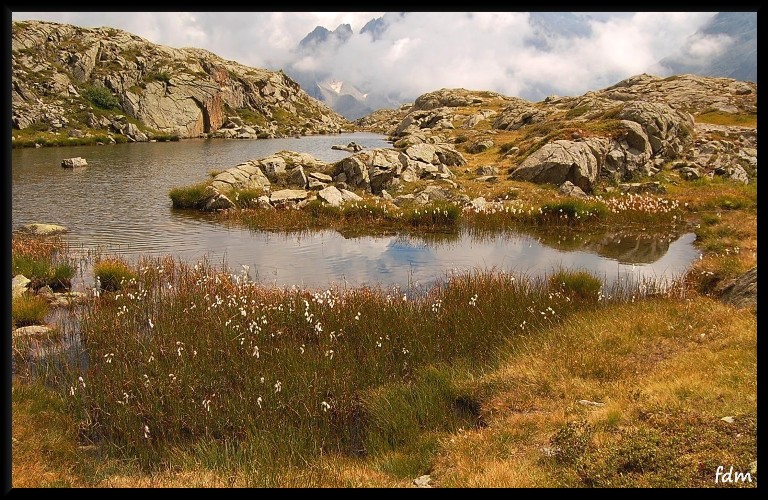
(665, 369)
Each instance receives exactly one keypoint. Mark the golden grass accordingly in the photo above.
(43, 440)
(692, 362)
(722, 118)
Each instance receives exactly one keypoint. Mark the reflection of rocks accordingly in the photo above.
(629, 248)
(624, 247)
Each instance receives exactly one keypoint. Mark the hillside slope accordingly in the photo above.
(78, 81)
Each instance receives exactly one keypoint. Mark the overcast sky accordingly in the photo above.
(425, 51)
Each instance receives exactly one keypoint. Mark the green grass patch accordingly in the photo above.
(581, 284)
(187, 197)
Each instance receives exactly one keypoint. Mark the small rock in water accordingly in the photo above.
(44, 229)
(423, 481)
(74, 162)
(31, 331)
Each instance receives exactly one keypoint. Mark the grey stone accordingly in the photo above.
(74, 162)
(43, 229)
(287, 195)
(19, 285)
(349, 195)
(331, 196)
(487, 170)
(423, 481)
(320, 176)
(487, 178)
(297, 177)
(569, 189)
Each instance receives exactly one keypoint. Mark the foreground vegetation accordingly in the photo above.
(477, 384)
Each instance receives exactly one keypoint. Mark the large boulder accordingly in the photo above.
(560, 161)
(668, 130)
(248, 175)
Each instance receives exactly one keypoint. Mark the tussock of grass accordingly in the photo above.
(187, 197)
(222, 367)
(113, 274)
(42, 259)
(27, 309)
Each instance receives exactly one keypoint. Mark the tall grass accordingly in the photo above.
(190, 358)
(113, 274)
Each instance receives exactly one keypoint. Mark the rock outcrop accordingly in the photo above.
(741, 292)
(378, 169)
(71, 78)
(619, 134)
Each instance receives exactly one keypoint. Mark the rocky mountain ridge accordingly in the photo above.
(80, 81)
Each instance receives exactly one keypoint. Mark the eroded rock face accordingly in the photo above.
(182, 92)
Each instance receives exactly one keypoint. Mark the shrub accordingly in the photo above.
(44, 271)
(101, 97)
(28, 309)
(113, 274)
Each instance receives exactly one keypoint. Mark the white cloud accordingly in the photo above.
(425, 51)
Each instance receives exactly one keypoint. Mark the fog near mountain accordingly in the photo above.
(725, 46)
(392, 58)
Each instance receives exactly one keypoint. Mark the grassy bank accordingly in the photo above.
(214, 381)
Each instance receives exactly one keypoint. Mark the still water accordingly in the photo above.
(119, 204)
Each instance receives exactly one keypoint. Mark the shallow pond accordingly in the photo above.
(120, 204)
